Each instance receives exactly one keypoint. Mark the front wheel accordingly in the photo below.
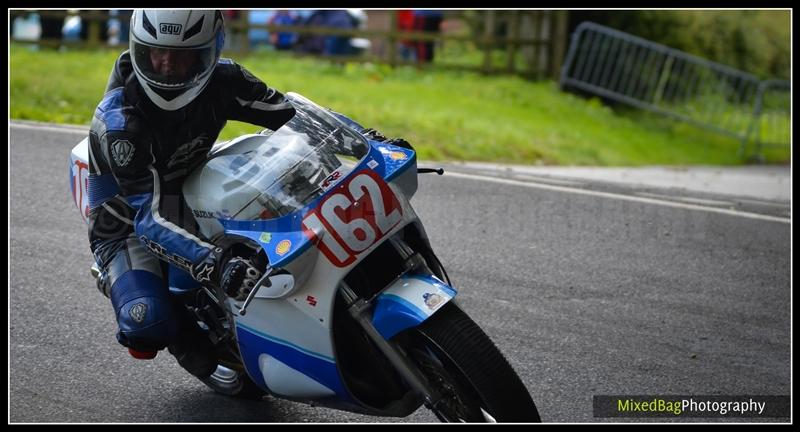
(476, 382)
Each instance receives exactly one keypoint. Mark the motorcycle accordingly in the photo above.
(354, 311)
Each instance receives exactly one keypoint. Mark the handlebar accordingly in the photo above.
(439, 171)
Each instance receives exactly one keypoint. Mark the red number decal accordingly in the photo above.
(351, 220)
(81, 186)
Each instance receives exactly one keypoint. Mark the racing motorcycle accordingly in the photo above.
(354, 311)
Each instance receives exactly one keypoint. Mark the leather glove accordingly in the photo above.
(239, 277)
(374, 135)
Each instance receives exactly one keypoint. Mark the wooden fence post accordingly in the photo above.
(93, 37)
(391, 38)
(533, 31)
(244, 19)
(488, 41)
(558, 43)
(513, 34)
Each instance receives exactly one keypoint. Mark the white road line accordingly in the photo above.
(548, 180)
(620, 197)
(686, 199)
(705, 201)
(765, 203)
(50, 127)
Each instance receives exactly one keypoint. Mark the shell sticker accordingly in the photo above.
(283, 247)
(396, 155)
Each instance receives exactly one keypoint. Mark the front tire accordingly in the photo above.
(476, 382)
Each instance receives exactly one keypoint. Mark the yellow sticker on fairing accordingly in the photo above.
(283, 247)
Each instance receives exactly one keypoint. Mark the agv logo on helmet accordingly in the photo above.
(170, 28)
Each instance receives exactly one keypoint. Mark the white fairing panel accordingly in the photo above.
(209, 194)
(283, 380)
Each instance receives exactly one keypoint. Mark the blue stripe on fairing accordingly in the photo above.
(417, 312)
(400, 172)
(297, 238)
(394, 168)
(319, 367)
(110, 110)
(101, 189)
(394, 314)
(286, 343)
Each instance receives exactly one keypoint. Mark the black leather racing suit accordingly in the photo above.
(139, 156)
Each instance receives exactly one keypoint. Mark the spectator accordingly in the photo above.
(303, 15)
(258, 36)
(27, 27)
(328, 45)
(125, 19)
(73, 28)
(427, 21)
(283, 40)
(339, 45)
(100, 17)
(405, 23)
(114, 28)
(311, 43)
(359, 18)
(76, 26)
(359, 45)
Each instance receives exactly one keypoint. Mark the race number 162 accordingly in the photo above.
(360, 213)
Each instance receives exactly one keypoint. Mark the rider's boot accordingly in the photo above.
(194, 351)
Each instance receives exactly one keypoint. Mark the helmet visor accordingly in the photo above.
(172, 68)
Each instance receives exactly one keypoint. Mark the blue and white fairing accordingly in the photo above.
(317, 197)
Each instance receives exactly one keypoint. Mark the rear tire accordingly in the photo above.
(477, 383)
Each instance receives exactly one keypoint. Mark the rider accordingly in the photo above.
(167, 99)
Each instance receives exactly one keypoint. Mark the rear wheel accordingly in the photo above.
(229, 378)
(233, 383)
(476, 382)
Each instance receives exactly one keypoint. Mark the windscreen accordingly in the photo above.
(272, 174)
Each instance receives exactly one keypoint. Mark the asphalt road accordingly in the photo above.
(584, 294)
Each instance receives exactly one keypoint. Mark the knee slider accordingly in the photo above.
(145, 315)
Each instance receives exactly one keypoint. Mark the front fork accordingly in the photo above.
(360, 310)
